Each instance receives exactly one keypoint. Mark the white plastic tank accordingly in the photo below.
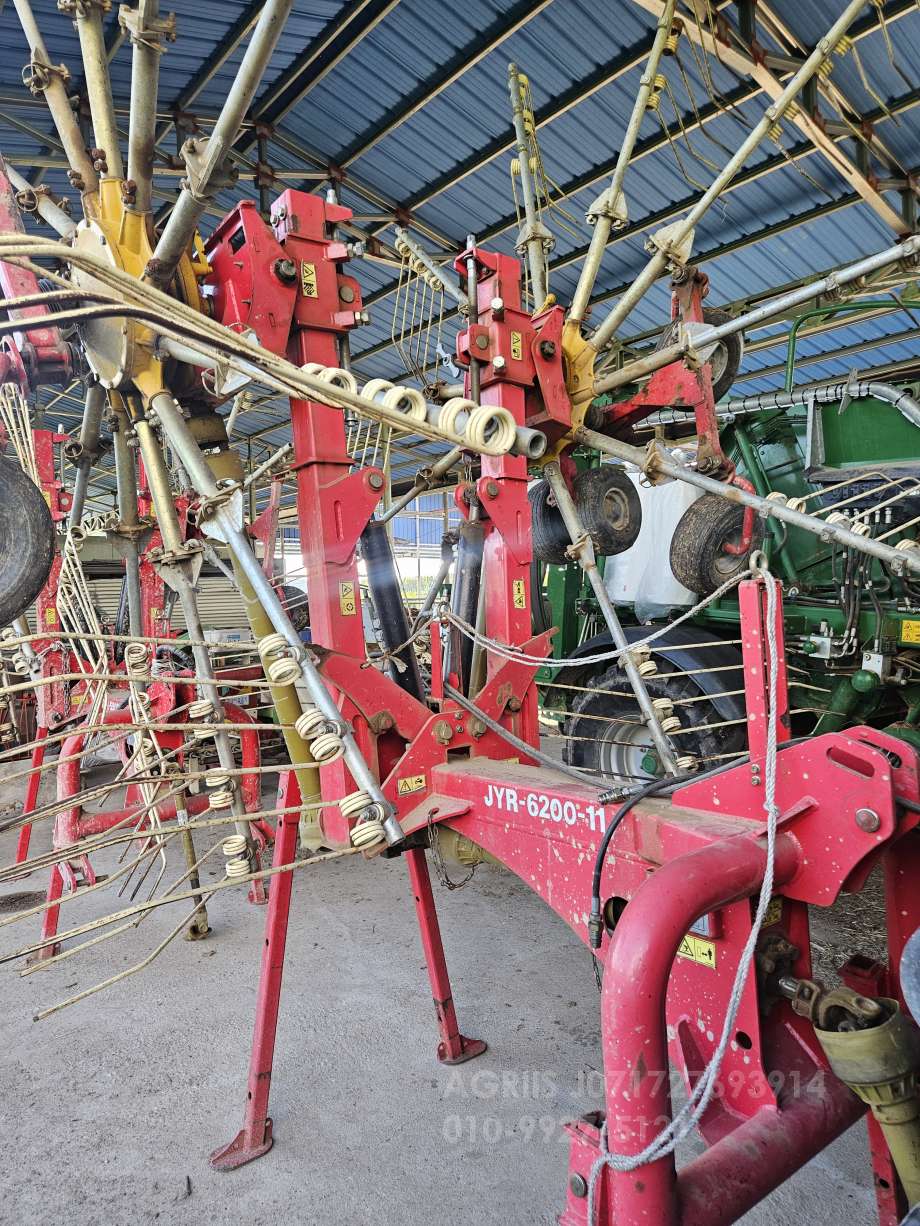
(641, 575)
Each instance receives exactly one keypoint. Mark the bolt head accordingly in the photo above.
(868, 820)
(578, 1185)
(498, 363)
(497, 305)
(443, 731)
(375, 481)
(285, 270)
(547, 349)
(482, 342)
(492, 489)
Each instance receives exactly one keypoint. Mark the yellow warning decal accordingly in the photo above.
(698, 949)
(518, 594)
(774, 912)
(51, 617)
(517, 346)
(910, 631)
(411, 783)
(308, 280)
(348, 606)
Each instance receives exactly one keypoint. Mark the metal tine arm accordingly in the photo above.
(48, 80)
(606, 210)
(670, 245)
(87, 15)
(146, 30)
(207, 158)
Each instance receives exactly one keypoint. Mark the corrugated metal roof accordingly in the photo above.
(447, 160)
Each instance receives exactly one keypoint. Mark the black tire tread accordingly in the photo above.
(550, 537)
(697, 540)
(26, 541)
(589, 490)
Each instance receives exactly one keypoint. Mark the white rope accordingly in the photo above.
(693, 1110)
(513, 653)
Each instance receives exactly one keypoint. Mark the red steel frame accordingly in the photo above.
(683, 872)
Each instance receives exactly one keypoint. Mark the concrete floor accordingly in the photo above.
(111, 1107)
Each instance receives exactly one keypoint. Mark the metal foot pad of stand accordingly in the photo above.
(241, 1150)
(469, 1050)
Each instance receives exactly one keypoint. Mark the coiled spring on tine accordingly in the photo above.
(145, 755)
(335, 376)
(201, 715)
(474, 425)
(367, 833)
(665, 711)
(236, 851)
(326, 745)
(859, 526)
(137, 660)
(642, 658)
(281, 667)
(463, 421)
(222, 796)
(416, 265)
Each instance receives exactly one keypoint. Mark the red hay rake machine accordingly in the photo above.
(692, 891)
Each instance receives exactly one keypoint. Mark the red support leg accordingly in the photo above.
(38, 757)
(454, 1048)
(255, 1137)
(50, 920)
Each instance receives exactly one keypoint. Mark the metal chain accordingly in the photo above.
(437, 859)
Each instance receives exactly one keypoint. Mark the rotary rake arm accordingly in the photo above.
(393, 768)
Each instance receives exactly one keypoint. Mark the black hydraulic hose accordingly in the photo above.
(596, 922)
(121, 622)
(464, 599)
(383, 582)
(657, 786)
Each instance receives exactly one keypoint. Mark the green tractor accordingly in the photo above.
(852, 627)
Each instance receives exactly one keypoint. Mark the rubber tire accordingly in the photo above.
(615, 528)
(26, 541)
(296, 605)
(585, 753)
(731, 349)
(550, 536)
(696, 555)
